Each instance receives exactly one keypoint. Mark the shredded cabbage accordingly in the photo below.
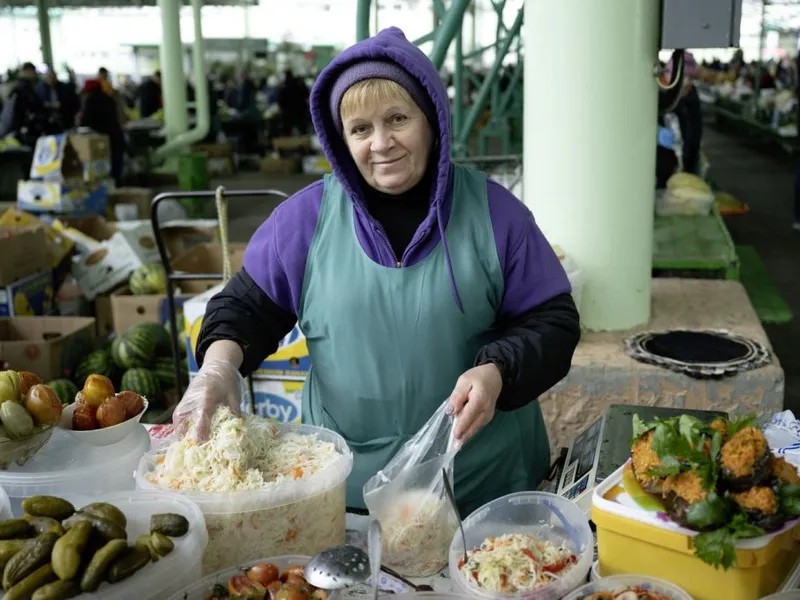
(243, 472)
(516, 562)
(417, 529)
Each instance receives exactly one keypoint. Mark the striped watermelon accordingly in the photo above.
(99, 362)
(134, 349)
(158, 333)
(148, 280)
(165, 372)
(142, 381)
(65, 389)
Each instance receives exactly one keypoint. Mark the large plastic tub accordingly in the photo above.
(5, 506)
(301, 517)
(539, 514)
(199, 590)
(617, 582)
(633, 540)
(180, 567)
(65, 467)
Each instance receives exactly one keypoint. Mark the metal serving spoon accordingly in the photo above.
(337, 568)
(374, 541)
(452, 498)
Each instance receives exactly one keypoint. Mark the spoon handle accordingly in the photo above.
(452, 498)
(374, 542)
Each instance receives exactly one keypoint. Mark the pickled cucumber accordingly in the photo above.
(161, 543)
(24, 589)
(129, 563)
(106, 511)
(68, 550)
(33, 555)
(8, 548)
(169, 524)
(102, 559)
(108, 529)
(44, 524)
(15, 528)
(48, 506)
(58, 590)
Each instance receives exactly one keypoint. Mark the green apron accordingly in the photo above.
(388, 344)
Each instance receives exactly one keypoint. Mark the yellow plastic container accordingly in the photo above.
(635, 543)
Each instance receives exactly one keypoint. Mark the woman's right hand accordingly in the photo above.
(218, 383)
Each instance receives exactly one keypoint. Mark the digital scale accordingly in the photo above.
(605, 445)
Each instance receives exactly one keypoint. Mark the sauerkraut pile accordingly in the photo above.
(417, 529)
(246, 478)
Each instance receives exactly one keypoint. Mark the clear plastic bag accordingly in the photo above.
(408, 498)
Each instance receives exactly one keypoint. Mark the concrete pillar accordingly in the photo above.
(173, 80)
(42, 7)
(590, 143)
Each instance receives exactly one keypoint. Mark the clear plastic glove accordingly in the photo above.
(218, 383)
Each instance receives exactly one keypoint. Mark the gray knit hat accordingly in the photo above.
(379, 69)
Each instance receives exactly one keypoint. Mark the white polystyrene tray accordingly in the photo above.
(615, 582)
(171, 573)
(199, 590)
(624, 506)
(65, 466)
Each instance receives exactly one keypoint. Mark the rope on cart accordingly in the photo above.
(220, 196)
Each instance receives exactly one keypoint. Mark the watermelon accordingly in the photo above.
(148, 280)
(181, 342)
(99, 362)
(134, 349)
(65, 389)
(158, 333)
(142, 381)
(165, 372)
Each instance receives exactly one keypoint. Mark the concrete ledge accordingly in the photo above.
(602, 374)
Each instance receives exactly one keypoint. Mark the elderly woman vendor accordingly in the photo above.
(414, 280)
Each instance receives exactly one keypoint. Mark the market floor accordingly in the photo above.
(762, 180)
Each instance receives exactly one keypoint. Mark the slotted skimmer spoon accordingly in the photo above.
(374, 541)
(337, 568)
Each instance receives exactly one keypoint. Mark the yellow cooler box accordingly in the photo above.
(636, 537)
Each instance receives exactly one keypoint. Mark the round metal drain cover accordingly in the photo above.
(702, 354)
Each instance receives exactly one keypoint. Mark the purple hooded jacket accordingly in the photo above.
(276, 257)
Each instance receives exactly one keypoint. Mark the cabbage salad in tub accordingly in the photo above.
(265, 489)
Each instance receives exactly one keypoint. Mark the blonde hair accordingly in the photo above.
(368, 93)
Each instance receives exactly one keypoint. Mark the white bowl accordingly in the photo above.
(100, 437)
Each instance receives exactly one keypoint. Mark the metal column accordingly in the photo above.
(43, 14)
(589, 145)
(173, 80)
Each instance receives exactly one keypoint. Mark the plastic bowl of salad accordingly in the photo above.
(531, 545)
(629, 587)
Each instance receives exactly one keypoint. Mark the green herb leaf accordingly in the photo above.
(789, 490)
(669, 466)
(739, 423)
(714, 510)
(716, 548)
(790, 506)
(691, 429)
(639, 426)
(742, 529)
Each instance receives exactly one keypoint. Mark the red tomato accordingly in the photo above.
(263, 573)
(240, 585)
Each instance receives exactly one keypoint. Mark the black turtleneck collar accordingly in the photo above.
(400, 215)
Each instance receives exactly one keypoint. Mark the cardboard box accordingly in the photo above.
(62, 198)
(30, 296)
(204, 257)
(316, 164)
(51, 347)
(111, 262)
(290, 362)
(58, 245)
(277, 165)
(180, 236)
(277, 400)
(71, 157)
(21, 252)
(129, 204)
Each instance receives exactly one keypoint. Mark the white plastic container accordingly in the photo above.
(541, 515)
(65, 466)
(594, 573)
(300, 517)
(199, 590)
(157, 580)
(619, 582)
(5, 506)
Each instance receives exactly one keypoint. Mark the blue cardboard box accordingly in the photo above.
(31, 296)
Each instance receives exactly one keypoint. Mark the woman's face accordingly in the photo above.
(390, 145)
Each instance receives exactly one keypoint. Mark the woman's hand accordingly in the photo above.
(473, 400)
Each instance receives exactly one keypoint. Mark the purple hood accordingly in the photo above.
(391, 45)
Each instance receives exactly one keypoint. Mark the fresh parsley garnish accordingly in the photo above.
(739, 423)
(718, 547)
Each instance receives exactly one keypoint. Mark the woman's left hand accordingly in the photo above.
(473, 400)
